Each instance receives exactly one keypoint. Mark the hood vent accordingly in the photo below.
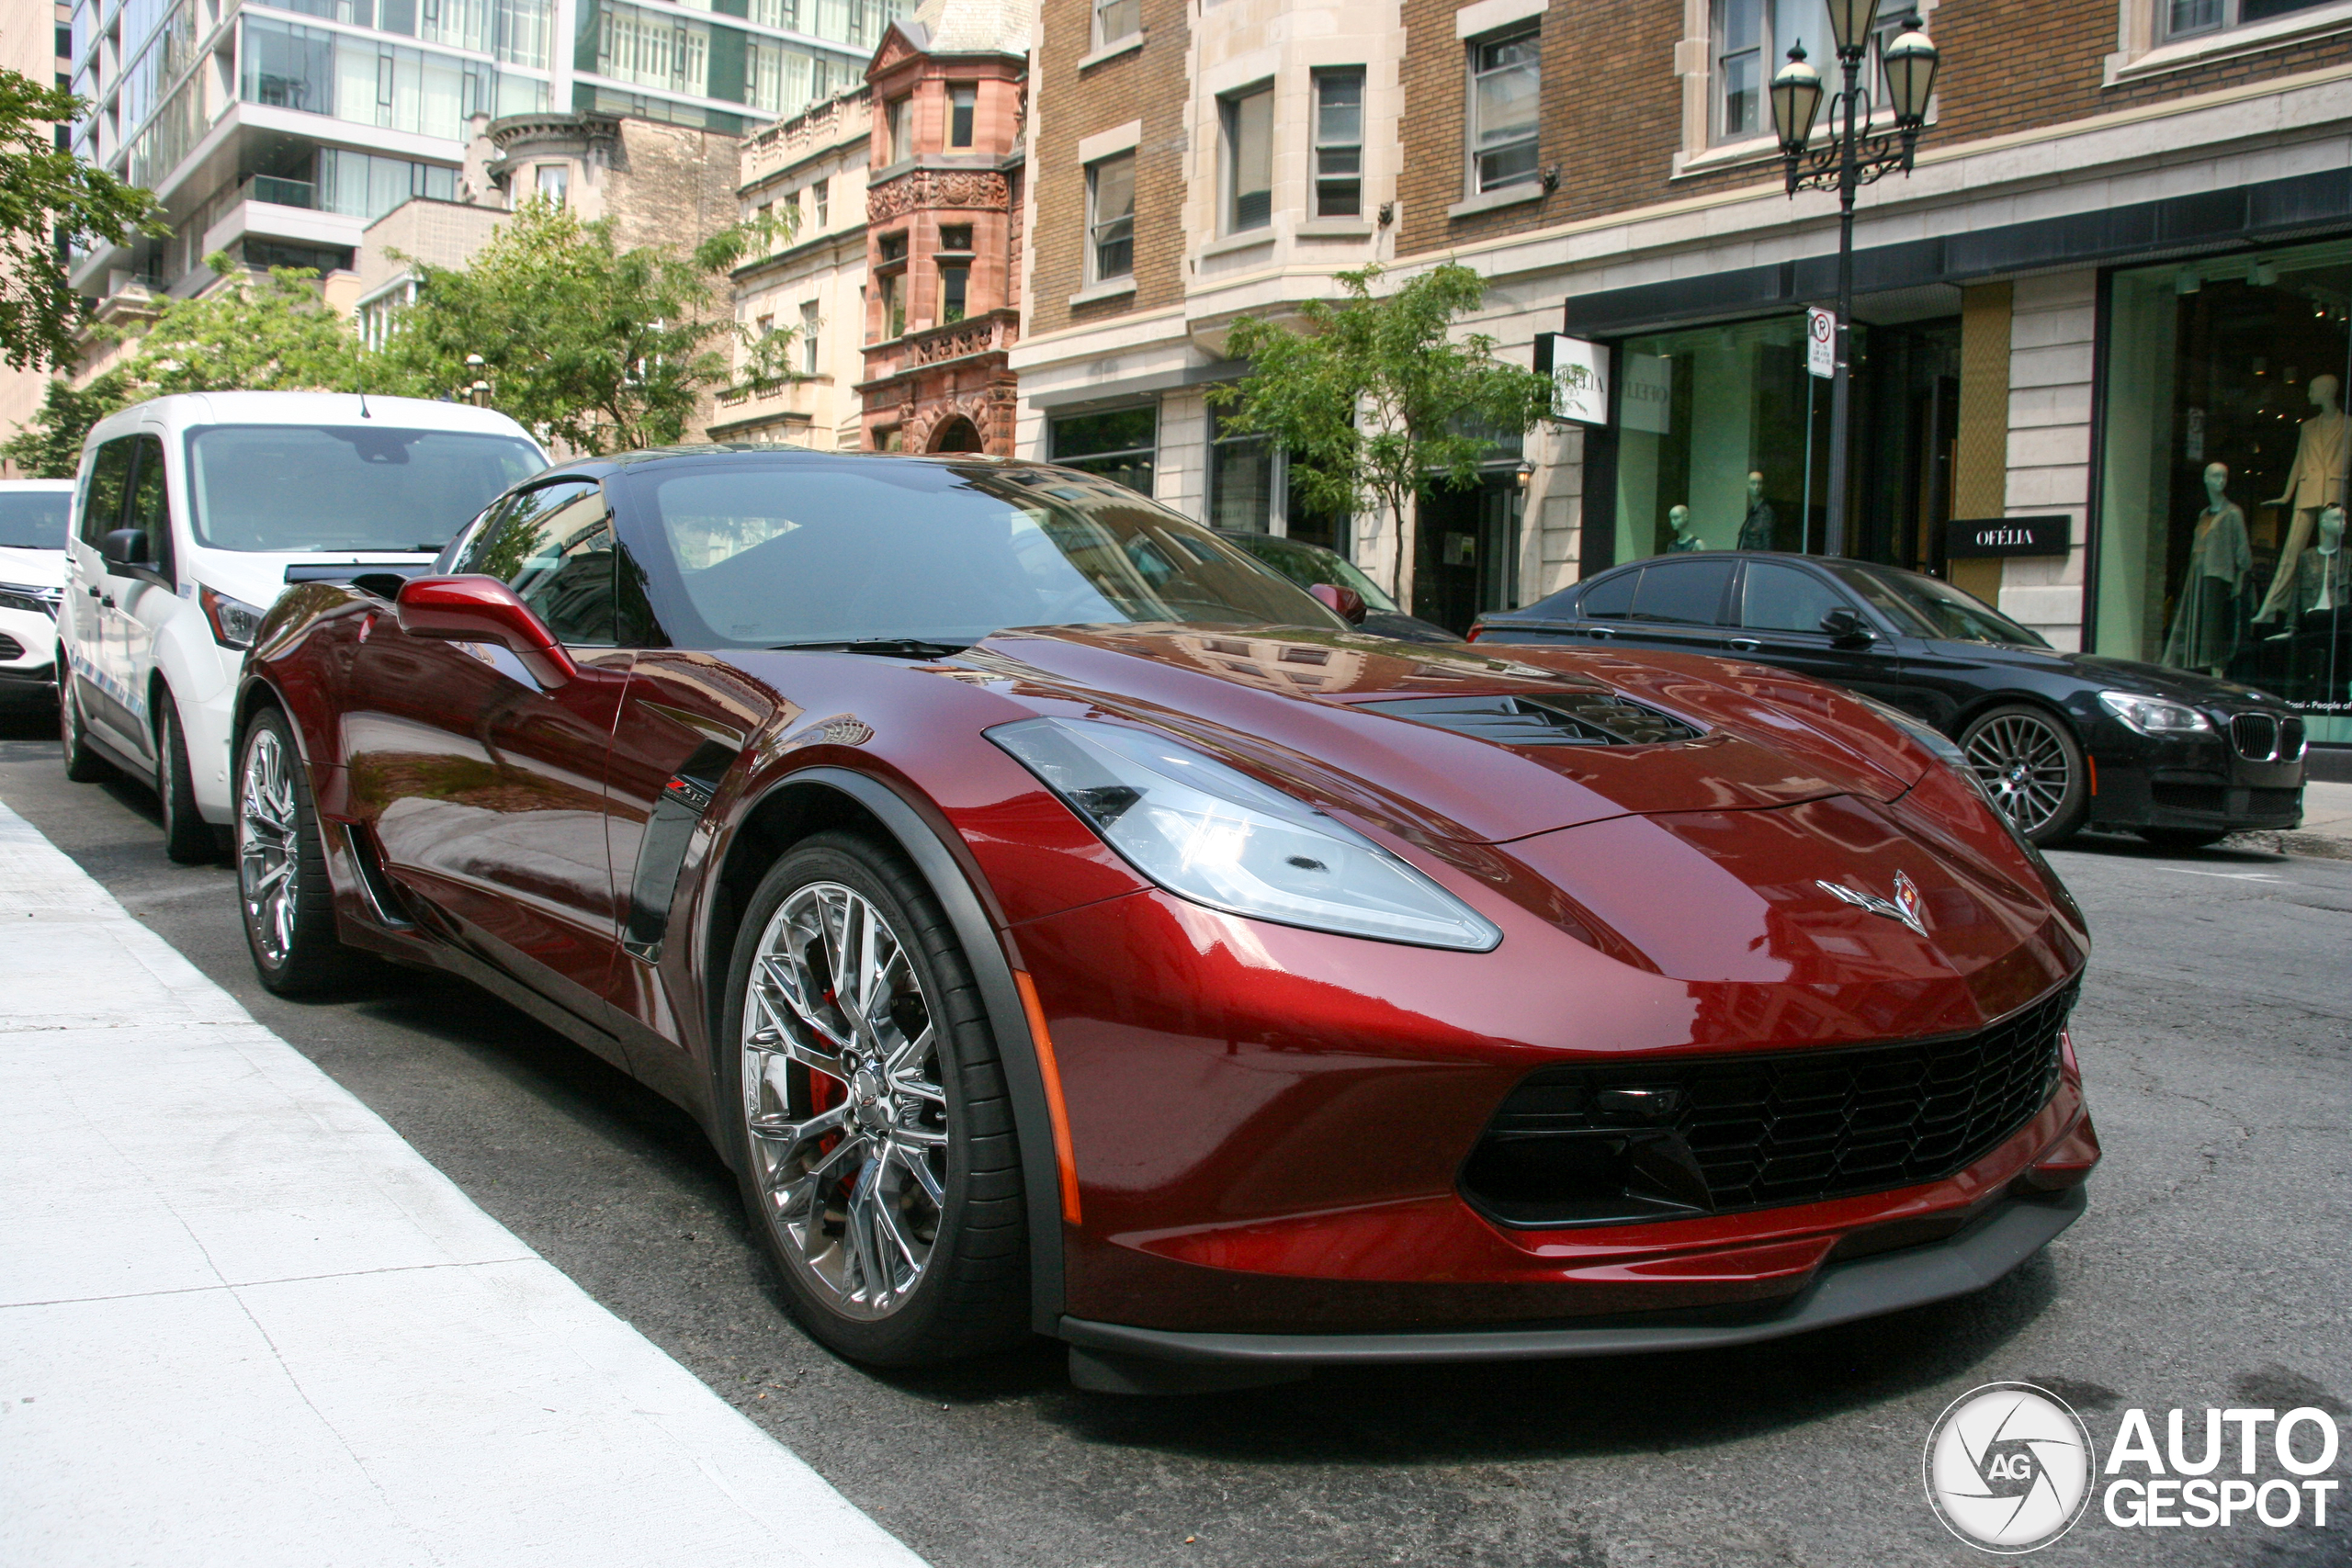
(1564, 718)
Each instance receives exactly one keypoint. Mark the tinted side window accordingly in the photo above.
(566, 572)
(1784, 599)
(1612, 598)
(1690, 593)
(150, 503)
(109, 485)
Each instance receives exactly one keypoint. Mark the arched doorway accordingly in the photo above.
(957, 434)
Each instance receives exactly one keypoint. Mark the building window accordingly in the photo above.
(1249, 159)
(1751, 38)
(1241, 479)
(893, 289)
(555, 182)
(1120, 444)
(955, 283)
(894, 246)
(1505, 90)
(1739, 69)
(901, 127)
(2184, 19)
(1339, 143)
(808, 324)
(890, 440)
(1116, 19)
(823, 188)
(955, 237)
(1111, 218)
(962, 100)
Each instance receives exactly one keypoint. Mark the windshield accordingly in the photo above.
(1306, 564)
(33, 519)
(1925, 607)
(292, 487)
(765, 555)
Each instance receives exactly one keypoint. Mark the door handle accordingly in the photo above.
(107, 601)
(92, 592)
(1746, 644)
(1599, 633)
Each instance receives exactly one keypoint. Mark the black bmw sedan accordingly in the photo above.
(2061, 740)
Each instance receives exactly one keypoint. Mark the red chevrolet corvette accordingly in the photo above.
(1062, 922)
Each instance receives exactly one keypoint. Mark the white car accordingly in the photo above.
(34, 518)
(191, 515)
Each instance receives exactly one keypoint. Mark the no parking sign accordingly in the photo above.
(1820, 341)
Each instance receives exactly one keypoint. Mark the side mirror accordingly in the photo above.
(1344, 602)
(1846, 629)
(125, 546)
(482, 609)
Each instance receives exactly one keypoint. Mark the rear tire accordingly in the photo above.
(187, 836)
(283, 893)
(2183, 838)
(2033, 766)
(876, 1143)
(83, 765)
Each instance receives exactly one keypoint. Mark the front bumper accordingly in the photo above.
(1115, 1358)
(2200, 784)
(27, 660)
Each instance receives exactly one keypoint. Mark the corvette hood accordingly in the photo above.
(1399, 732)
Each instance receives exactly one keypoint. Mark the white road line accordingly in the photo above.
(2227, 875)
(244, 1323)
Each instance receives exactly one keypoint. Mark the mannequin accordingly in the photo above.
(2326, 584)
(2316, 479)
(1757, 532)
(1678, 519)
(2204, 624)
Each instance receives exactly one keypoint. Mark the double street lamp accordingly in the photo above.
(1851, 157)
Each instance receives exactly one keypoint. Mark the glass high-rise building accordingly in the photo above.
(277, 130)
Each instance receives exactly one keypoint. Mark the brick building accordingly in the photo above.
(944, 205)
(2125, 253)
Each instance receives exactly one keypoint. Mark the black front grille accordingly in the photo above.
(1555, 718)
(1609, 1144)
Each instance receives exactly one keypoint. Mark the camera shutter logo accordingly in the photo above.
(2010, 1467)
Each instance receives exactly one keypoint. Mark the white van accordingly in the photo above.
(34, 517)
(193, 512)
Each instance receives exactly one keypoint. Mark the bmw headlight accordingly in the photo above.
(233, 621)
(1217, 836)
(2153, 717)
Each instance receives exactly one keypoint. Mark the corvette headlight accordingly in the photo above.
(1217, 836)
(1918, 729)
(234, 622)
(2153, 717)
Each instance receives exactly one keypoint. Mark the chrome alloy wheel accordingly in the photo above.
(843, 1101)
(266, 845)
(2024, 767)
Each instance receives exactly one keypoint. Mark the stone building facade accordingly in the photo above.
(944, 201)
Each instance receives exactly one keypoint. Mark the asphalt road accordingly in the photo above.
(2211, 1270)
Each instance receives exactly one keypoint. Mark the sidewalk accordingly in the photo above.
(243, 1323)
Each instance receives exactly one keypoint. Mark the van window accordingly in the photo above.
(151, 506)
(108, 487)
(290, 486)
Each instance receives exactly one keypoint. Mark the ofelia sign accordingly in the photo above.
(1579, 372)
(1976, 538)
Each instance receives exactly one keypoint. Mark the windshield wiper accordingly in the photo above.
(888, 646)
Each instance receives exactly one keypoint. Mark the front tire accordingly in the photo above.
(83, 765)
(2033, 766)
(876, 1146)
(282, 887)
(187, 836)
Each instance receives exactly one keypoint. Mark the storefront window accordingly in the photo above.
(1118, 443)
(1241, 478)
(2225, 447)
(1713, 442)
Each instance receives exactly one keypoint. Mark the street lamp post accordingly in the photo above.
(1851, 158)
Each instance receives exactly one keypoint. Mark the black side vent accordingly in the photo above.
(1563, 718)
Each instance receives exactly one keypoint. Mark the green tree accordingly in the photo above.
(1375, 398)
(276, 334)
(603, 348)
(48, 196)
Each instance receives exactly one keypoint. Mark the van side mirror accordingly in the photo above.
(125, 546)
(1344, 602)
(482, 609)
(1846, 629)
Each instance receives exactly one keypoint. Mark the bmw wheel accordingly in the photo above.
(876, 1145)
(282, 887)
(2032, 767)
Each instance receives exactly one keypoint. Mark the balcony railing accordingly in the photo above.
(282, 192)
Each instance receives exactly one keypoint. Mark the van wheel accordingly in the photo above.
(868, 1108)
(83, 765)
(187, 836)
(282, 887)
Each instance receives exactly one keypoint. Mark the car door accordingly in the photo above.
(145, 600)
(485, 790)
(1678, 606)
(90, 632)
(1780, 609)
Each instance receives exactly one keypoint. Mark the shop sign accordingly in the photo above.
(1579, 372)
(1976, 538)
(1648, 397)
(1821, 342)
